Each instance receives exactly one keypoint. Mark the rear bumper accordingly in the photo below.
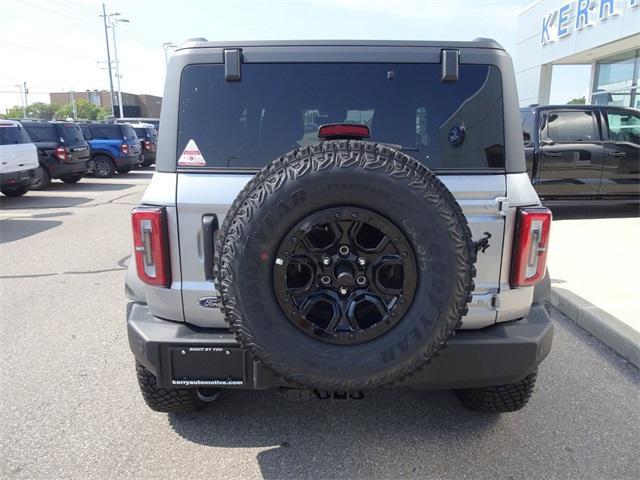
(128, 161)
(496, 355)
(60, 170)
(17, 179)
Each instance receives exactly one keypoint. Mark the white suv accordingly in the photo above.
(18, 159)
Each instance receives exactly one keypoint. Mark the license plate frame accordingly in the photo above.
(207, 366)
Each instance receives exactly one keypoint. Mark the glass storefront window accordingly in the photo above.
(616, 80)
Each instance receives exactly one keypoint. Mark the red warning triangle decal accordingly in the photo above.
(191, 156)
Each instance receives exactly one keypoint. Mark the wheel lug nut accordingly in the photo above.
(361, 280)
(362, 261)
(337, 214)
(403, 300)
(294, 239)
(343, 290)
(343, 250)
(354, 215)
(326, 261)
(404, 254)
(396, 240)
(325, 280)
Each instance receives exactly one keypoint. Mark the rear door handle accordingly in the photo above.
(617, 154)
(209, 229)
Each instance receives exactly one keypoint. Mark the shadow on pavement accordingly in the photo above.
(41, 201)
(586, 211)
(12, 230)
(388, 433)
(86, 187)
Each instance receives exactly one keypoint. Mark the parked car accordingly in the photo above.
(326, 267)
(18, 159)
(153, 121)
(63, 152)
(148, 141)
(114, 147)
(582, 151)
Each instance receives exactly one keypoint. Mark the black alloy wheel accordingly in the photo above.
(345, 275)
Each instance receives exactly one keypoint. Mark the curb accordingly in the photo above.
(613, 332)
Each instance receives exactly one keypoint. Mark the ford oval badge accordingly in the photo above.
(209, 302)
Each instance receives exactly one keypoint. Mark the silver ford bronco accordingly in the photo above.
(329, 217)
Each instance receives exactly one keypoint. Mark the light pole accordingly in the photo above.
(114, 20)
(106, 37)
(167, 46)
(24, 108)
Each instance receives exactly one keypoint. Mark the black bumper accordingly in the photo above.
(17, 179)
(61, 170)
(128, 161)
(184, 355)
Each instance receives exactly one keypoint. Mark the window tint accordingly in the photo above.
(86, 131)
(128, 132)
(527, 128)
(43, 133)
(70, 133)
(11, 135)
(106, 132)
(141, 132)
(575, 126)
(624, 127)
(278, 107)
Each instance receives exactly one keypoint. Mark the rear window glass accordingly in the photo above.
(576, 126)
(278, 107)
(11, 135)
(144, 132)
(128, 131)
(71, 133)
(43, 133)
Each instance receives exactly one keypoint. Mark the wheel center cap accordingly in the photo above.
(344, 274)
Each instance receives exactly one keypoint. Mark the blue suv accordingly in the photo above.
(114, 147)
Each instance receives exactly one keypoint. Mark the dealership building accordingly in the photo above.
(604, 34)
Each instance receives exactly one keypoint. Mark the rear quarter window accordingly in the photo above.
(13, 134)
(105, 132)
(279, 107)
(43, 133)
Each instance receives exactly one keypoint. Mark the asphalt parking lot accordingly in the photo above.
(71, 406)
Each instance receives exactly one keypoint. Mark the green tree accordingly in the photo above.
(14, 112)
(577, 101)
(103, 112)
(41, 110)
(85, 110)
(64, 112)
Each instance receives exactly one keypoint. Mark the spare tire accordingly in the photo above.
(344, 265)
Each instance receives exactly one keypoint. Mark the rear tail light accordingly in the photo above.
(343, 130)
(530, 246)
(62, 153)
(124, 148)
(151, 245)
(147, 144)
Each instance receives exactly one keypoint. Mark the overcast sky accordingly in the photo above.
(57, 45)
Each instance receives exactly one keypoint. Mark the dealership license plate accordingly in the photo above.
(207, 366)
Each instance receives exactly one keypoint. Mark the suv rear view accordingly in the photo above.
(18, 159)
(114, 148)
(148, 141)
(326, 216)
(63, 152)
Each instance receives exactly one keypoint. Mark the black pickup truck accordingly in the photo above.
(582, 151)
